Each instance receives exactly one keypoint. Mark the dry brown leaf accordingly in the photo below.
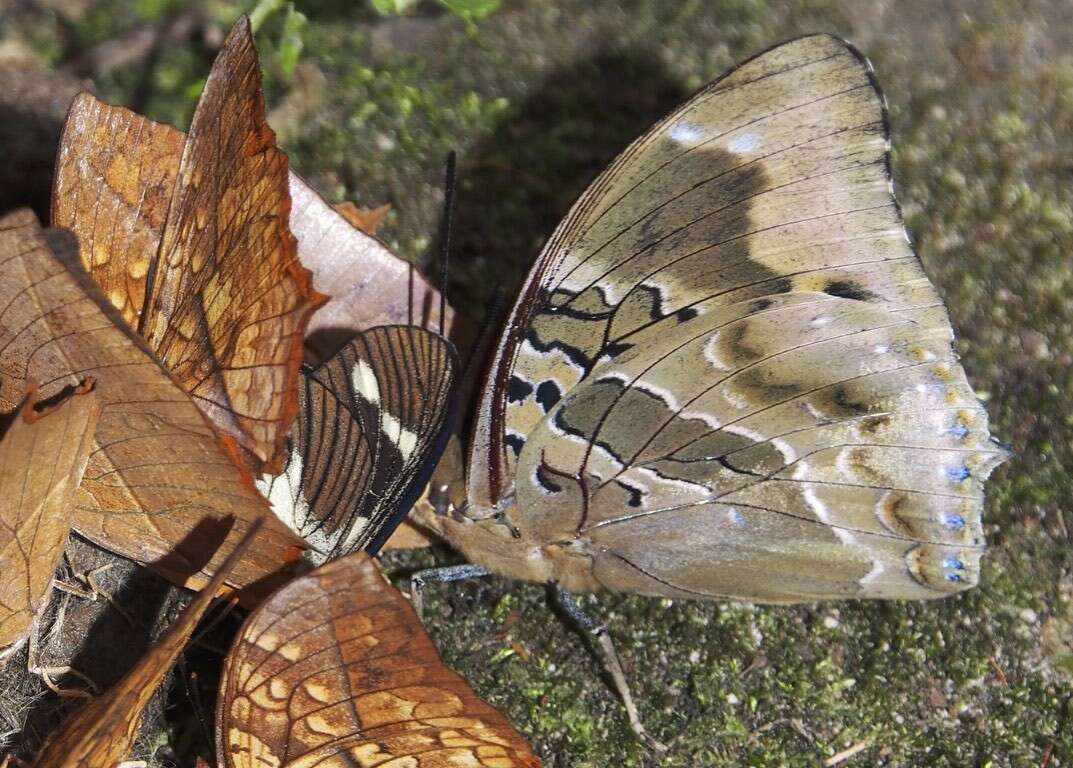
(42, 457)
(335, 669)
(101, 733)
(366, 219)
(409, 535)
(158, 468)
(195, 246)
(369, 284)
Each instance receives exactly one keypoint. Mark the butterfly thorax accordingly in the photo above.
(502, 542)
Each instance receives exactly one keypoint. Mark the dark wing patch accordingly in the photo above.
(372, 424)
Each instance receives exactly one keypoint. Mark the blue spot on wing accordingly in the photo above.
(956, 522)
(958, 473)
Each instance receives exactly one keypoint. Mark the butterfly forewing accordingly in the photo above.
(372, 422)
(335, 669)
(115, 173)
(728, 375)
(189, 239)
(231, 326)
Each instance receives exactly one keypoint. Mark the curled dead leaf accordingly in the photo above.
(366, 219)
(43, 454)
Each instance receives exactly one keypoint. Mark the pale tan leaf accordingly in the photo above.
(43, 454)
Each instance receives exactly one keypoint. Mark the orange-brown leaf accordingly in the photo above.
(113, 196)
(366, 219)
(115, 173)
(191, 239)
(157, 469)
(101, 733)
(42, 457)
(335, 669)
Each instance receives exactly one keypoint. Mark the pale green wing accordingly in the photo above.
(771, 180)
(728, 373)
(795, 447)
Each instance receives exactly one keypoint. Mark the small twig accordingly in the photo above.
(1061, 516)
(93, 590)
(802, 730)
(33, 665)
(1047, 755)
(998, 670)
(846, 754)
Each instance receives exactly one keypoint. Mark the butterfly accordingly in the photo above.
(727, 375)
(334, 669)
(167, 225)
(372, 420)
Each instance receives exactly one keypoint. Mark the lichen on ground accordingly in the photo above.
(537, 99)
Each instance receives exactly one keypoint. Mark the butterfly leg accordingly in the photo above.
(440, 576)
(611, 663)
(33, 665)
(93, 590)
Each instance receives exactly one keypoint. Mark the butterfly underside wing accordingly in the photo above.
(189, 239)
(728, 375)
(336, 670)
(372, 421)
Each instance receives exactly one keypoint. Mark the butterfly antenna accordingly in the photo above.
(445, 231)
(191, 685)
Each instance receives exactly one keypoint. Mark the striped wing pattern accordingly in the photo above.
(728, 375)
(372, 422)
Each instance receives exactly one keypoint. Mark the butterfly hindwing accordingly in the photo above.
(728, 374)
(372, 421)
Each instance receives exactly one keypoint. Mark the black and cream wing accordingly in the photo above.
(373, 420)
(728, 374)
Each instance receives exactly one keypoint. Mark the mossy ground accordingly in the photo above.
(539, 97)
